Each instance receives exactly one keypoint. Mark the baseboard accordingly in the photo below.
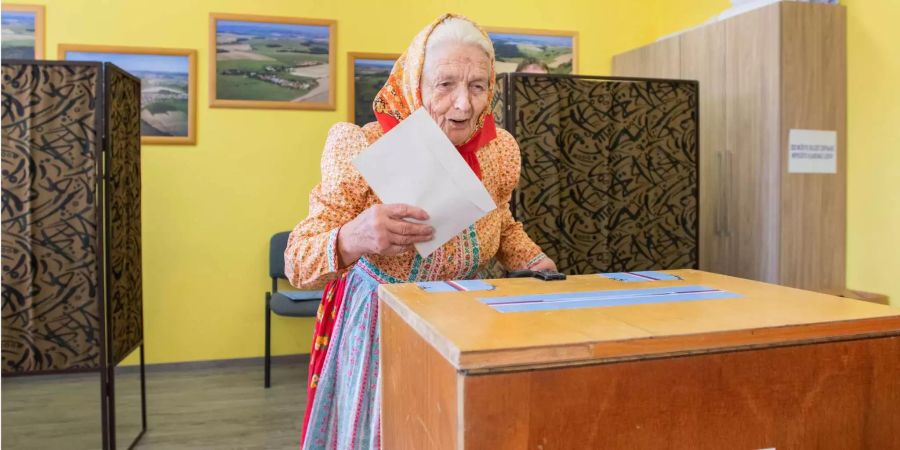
(299, 359)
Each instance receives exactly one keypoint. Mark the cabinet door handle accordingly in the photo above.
(720, 204)
(729, 158)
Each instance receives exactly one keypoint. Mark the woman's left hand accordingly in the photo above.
(544, 264)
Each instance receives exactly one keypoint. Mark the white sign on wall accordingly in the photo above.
(812, 151)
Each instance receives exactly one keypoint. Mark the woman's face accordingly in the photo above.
(455, 88)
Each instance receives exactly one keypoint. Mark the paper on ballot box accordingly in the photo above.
(416, 164)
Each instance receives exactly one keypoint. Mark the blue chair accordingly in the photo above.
(284, 303)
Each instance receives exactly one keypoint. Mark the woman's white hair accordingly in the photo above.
(459, 31)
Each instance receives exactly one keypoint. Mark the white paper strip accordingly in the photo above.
(812, 151)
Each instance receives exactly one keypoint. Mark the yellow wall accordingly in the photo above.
(873, 112)
(209, 209)
(873, 133)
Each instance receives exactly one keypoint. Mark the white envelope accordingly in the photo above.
(416, 164)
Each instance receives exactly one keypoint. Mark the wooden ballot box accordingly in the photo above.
(699, 361)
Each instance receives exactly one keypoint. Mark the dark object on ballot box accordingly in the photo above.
(546, 275)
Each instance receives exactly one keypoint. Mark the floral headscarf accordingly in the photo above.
(402, 94)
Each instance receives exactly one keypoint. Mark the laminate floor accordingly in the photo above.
(212, 406)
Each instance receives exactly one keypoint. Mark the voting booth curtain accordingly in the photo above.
(71, 217)
(610, 172)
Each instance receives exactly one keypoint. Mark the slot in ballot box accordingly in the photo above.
(596, 363)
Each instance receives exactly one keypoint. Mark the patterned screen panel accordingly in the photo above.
(123, 193)
(609, 171)
(654, 220)
(51, 297)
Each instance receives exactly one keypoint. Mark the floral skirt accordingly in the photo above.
(344, 394)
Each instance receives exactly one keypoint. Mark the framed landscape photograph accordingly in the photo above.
(271, 62)
(22, 29)
(168, 87)
(367, 74)
(557, 49)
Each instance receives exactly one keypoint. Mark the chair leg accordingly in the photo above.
(268, 357)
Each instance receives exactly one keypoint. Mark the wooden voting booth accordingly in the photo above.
(72, 267)
(751, 366)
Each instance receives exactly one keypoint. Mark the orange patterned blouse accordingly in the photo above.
(311, 256)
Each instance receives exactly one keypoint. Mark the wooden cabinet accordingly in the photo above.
(760, 75)
(752, 168)
(704, 59)
(658, 60)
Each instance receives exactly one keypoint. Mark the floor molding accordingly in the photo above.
(299, 359)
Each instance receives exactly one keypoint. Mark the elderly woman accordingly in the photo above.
(354, 242)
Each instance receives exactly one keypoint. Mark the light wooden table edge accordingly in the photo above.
(414, 321)
(585, 353)
(475, 366)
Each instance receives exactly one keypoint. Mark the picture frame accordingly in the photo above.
(555, 48)
(271, 62)
(365, 72)
(16, 19)
(169, 95)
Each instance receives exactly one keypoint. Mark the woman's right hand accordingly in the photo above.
(382, 230)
